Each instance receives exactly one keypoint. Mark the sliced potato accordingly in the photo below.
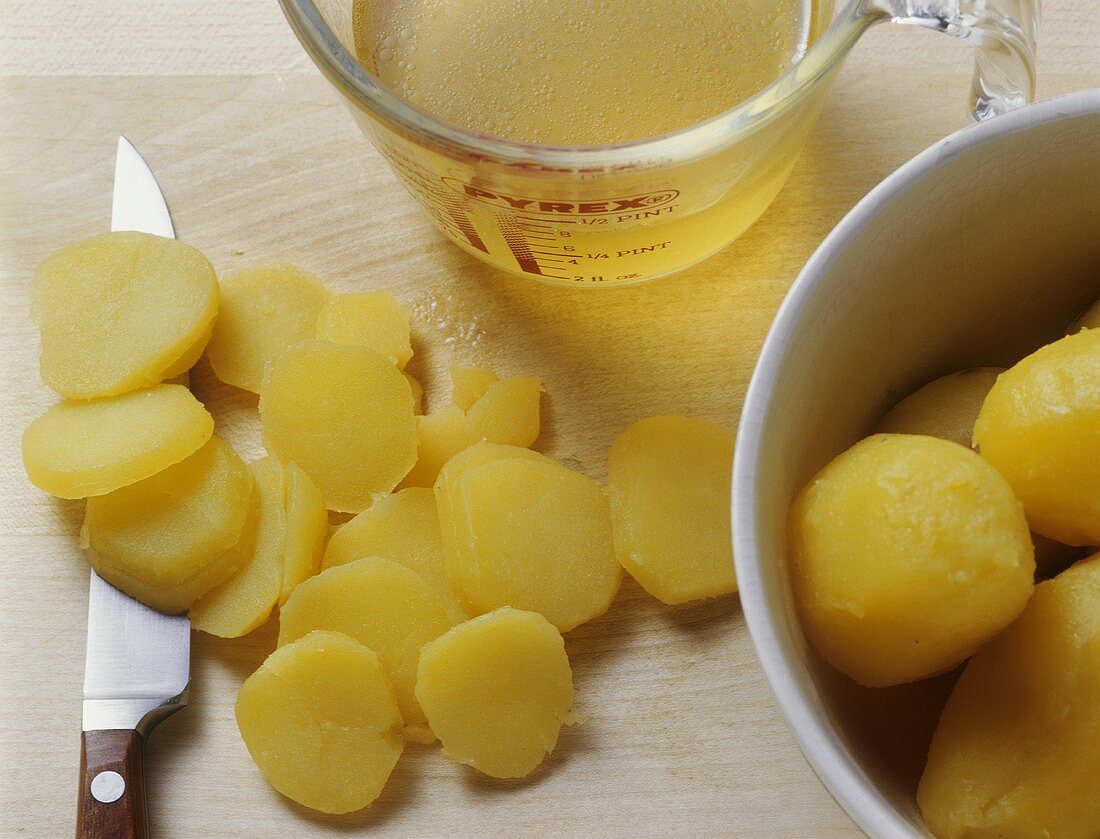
(178, 595)
(468, 384)
(345, 415)
(371, 319)
(306, 529)
(321, 722)
(496, 691)
(403, 528)
(1039, 427)
(77, 449)
(245, 600)
(1016, 752)
(381, 604)
(177, 526)
(175, 596)
(521, 530)
(669, 482)
(121, 311)
(264, 310)
(507, 412)
(946, 407)
(440, 435)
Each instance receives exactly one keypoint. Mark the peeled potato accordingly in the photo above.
(403, 528)
(345, 415)
(175, 596)
(175, 529)
(468, 384)
(371, 319)
(306, 529)
(507, 412)
(1017, 748)
(496, 691)
(908, 553)
(1040, 427)
(521, 530)
(440, 434)
(321, 722)
(381, 604)
(946, 408)
(669, 481)
(1090, 319)
(77, 449)
(245, 600)
(120, 311)
(264, 310)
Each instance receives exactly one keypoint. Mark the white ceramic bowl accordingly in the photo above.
(974, 253)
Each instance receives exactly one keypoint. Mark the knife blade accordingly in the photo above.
(137, 662)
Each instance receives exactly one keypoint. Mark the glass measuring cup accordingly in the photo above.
(628, 212)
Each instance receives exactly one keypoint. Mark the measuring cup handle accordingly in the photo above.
(1003, 31)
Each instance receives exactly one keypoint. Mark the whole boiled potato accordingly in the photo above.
(909, 553)
(1040, 427)
(1016, 752)
(945, 407)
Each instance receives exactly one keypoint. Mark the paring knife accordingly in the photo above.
(138, 661)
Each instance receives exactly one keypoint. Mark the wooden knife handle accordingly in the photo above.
(112, 786)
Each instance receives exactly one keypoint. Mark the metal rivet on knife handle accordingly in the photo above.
(107, 787)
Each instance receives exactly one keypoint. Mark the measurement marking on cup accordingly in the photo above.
(442, 204)
(517, 244)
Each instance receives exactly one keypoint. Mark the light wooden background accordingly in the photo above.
(259, 160)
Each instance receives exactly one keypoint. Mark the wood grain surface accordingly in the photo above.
(259, 160)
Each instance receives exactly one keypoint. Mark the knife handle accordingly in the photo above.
(112, 786)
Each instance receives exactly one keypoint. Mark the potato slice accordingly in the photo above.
(468, 384)
(244, 601)
(521, 530)
(121, 311)
(403, 528)
(174, 596)
(946, 407)
(908, 553)
(371, 319)
(669, 482)
(381, 604)
(507, 412)
(344, 414)
(77, 449)
(1039, 427)
(264, 310)
(176, 528)
(1017, 748)
(306, 529)
(497, 690)
(321, 722)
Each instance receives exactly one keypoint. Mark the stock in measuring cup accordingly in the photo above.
(619, 214)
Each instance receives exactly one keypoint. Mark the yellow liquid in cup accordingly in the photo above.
(587, 72)
(578, 72)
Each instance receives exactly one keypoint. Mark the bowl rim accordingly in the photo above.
(837, 769)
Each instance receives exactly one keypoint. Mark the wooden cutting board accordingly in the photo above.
(260, 161)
